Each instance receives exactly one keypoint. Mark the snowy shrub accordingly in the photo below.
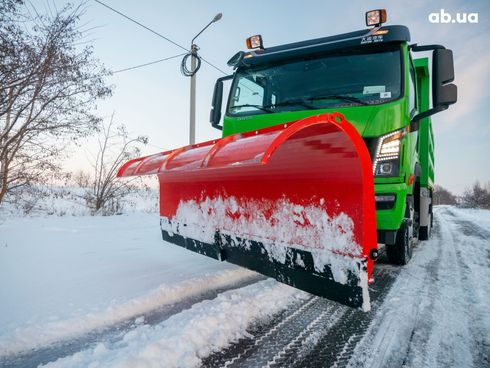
(116, 146)
(477, 197)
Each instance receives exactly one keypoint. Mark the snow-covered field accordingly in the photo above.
(56, 200)
(62, 278)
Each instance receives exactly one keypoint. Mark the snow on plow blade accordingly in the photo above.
(294, 202)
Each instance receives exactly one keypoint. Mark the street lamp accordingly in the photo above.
(194, 58)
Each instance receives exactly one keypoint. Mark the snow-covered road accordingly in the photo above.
(105, 291)
(436, 314)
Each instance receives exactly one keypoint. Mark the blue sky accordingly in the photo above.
(154, 100)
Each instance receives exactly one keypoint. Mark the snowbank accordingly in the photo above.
(39, 335)
(185, 338)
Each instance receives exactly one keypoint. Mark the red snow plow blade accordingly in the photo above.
(294, 202)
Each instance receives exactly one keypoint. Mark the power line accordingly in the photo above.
(156, 33)
(214, 66)
(142, 25)
(146, 64)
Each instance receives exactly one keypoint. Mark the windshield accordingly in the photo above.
(335, 80)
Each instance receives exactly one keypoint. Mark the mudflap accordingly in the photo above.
(294, 202)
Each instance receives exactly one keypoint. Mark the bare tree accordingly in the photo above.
(49, 84)
(444, 196)
(115, 147)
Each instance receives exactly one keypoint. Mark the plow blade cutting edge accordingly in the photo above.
(294, 202)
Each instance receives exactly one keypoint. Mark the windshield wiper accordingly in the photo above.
(302, 102)
(298, 102)
(259, 107)
(338, 97)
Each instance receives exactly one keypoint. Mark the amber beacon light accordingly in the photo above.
(255, 42)
(376, 17)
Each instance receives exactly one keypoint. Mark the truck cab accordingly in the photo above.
(372, 77)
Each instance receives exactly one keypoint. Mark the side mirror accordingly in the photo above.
(444, 93)
(236, 59)
(215, 115)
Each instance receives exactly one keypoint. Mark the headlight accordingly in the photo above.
(387, 158)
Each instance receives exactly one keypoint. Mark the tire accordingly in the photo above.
(401, 252)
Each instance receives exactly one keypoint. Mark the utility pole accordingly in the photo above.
(192, 74)
(192, 122)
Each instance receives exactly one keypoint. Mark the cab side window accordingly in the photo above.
(249, 92)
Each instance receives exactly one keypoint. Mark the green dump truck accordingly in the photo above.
(374, 79)
(327, 151)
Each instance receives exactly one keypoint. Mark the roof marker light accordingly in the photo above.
(381, 32)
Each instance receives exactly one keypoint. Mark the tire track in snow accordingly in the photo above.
(467, 250)
(385, 344)
(469, 228)
(421, 342)
(314, 333)
(307, 338)
(263, 341)
(427, 317)
(336, 345)
(446, 322)
(240, 350)
(458, 280)
(275, 348)
(61, 348)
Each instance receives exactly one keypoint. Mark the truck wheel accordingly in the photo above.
(401, 252)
